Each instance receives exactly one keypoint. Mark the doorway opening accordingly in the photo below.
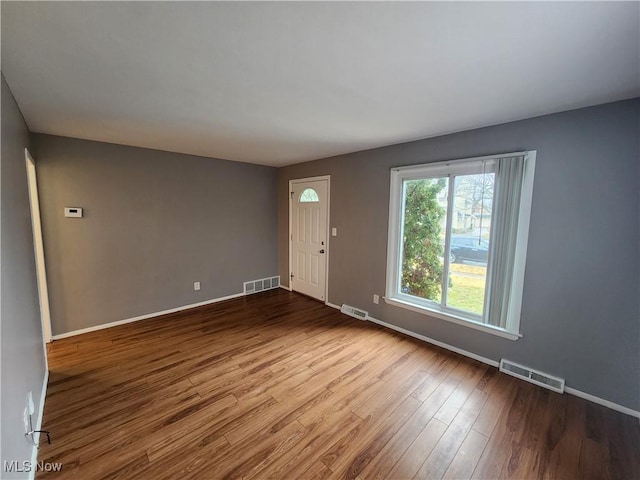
(38, 246)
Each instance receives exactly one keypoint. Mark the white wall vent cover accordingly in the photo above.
(354, 312)
(544, 380)
(255, 286)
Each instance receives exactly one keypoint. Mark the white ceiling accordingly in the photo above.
(281, 83)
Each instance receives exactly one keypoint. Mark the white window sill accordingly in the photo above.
(500, 332)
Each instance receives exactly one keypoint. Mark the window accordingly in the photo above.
(458, 235)
(309, 195)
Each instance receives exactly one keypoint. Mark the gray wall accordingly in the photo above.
(23, 362)
(580, 313)
(154, 222)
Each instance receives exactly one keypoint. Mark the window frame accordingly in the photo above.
(393, 293)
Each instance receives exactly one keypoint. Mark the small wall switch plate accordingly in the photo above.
(334, 232)
(73, 212)
(376, 299)
(196, 285)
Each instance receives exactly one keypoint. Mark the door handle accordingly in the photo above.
(322, 251)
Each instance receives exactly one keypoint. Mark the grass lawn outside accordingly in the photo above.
(466, 289)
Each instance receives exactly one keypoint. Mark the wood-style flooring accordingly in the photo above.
(276, 385)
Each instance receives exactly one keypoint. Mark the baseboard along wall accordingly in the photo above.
(144, 317)
(494, 363)
(38, 426)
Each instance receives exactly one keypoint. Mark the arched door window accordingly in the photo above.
(309, 195)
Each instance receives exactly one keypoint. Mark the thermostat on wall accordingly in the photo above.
(74, 212)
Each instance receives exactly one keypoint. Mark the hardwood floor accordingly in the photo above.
(276, 385)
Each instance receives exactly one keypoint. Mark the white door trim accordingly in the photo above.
(38, 247)
(328, 249)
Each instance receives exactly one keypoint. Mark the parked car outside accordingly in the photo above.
(468, 248)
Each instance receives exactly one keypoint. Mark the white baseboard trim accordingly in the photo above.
(493, 363)
(437, 343)
(446, 346)
(43, 397)
(284, 287)
(144, 317)
(602, 401)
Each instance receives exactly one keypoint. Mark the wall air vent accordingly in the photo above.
(255, 286)
(354, 312)
(525, 373)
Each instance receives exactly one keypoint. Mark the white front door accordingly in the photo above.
(309, 213)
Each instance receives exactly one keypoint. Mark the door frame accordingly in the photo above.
(38, 248)
(326, 178)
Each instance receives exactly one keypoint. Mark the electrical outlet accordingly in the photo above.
(376, 299)
(196, 285)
